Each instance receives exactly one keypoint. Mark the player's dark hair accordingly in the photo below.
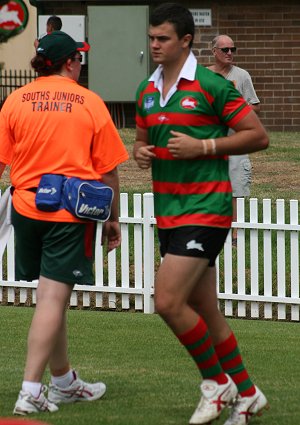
(175, 14)
(55, 22)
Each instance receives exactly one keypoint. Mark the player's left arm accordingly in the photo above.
(250, 136)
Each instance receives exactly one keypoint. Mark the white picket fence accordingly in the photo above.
(258, 279)
(266, 267)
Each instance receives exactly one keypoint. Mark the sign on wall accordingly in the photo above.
(202, 17)
(13, 19)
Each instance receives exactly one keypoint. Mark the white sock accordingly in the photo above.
(33, 388)
(63, 381)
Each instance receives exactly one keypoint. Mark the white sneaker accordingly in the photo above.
(214, 399)
(245, 407)
(26, 403)
(77, 391)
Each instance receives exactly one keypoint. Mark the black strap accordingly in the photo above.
(31, 189)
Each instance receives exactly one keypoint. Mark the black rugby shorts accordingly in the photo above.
(193, 241)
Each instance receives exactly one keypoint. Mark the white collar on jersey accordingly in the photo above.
(188, 72)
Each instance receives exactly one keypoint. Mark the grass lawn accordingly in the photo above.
(150, 378)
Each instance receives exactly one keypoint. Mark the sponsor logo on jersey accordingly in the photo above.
(163, 118)
(194, 245)
(149, 102)
(188, 102)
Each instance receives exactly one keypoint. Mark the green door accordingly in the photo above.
(118, 59)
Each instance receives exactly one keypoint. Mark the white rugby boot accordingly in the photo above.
(214, 399)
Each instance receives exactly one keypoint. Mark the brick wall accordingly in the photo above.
(267, 35)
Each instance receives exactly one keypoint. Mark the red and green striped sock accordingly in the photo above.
(230, 358)
(199, 345)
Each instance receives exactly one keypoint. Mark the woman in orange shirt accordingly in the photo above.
(55, 126)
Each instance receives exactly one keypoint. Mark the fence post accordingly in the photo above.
(241, 272)
(254, 263)
(124, 249)
(281, 257)
(148, 252)
(138, 249)
(294, 258)
(267, 219)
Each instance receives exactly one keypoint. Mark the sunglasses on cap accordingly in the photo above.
(226, 49)
(78, 58)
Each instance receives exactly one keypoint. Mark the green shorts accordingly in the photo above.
(60, 251)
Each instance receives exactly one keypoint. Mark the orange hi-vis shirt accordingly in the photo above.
(55, 126)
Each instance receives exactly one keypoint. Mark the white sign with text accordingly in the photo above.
(202, 17)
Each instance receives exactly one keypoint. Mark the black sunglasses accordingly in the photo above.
(78, 58)
(226, 49)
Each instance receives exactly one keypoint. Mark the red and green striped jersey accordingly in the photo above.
(195, 191)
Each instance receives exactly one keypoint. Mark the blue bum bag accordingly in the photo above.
(85, 199)
(49, 192)
(88, 199)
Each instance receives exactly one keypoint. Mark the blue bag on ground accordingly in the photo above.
(87, 199)
(49, 192)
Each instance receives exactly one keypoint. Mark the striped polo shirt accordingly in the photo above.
(203, 105)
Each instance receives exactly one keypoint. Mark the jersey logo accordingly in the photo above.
(194, 245)
(188, 102)
(77, 273)
(149, 102)
(163, 118)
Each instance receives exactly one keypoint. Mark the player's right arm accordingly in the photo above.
(142, 151)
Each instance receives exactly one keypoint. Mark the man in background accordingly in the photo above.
(54, 23)
(223, 49)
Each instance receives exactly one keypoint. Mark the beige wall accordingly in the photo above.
(17, 51)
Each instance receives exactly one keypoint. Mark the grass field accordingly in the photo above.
(150, 378)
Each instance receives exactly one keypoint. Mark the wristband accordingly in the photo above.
(204, 145)
(213, 146)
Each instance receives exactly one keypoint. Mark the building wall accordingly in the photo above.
(16, 53)
(267, 35)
